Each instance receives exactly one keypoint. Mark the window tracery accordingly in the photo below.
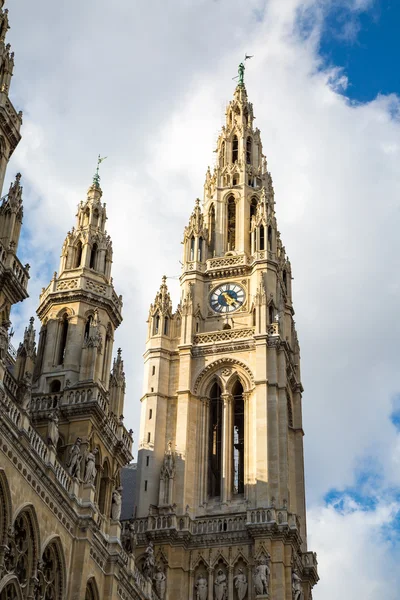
(231, 208)
(50, 575)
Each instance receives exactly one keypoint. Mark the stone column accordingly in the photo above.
(210, 583)
(227, 434)
(230, 582)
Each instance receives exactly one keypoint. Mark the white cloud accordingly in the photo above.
(149, 89)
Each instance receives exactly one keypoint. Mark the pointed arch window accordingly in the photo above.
(156, 324)
(269, 237)
(284, 276)
(192, 241)
(222, 155)
(253, 212)
(93, 256)
(166, 326)
(254, 317)
(262, 237)
(78, 255)
(235, 149)
(200, 250)
(215, 442)
(63, 327)
(271, 314)
(104, 482)
(88, 324)
(249, 145)
(231, 209)
(238, 439)
(51, 574)
(107, 355)
(211, 228)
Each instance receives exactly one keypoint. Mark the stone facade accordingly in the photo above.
(220, 476)
(62, 437)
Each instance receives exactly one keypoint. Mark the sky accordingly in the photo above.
(146, 85)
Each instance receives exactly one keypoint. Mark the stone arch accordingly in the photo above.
(53, 550)
(66, 310)
(10, 588)
(26, 528)
(5, 507)
(92, 591)
(222, 368)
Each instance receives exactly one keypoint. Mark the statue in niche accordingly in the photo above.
(74, 459)
(220, 587)
(148, 566)
(297, 590)
(240, 583)
(261, 576)
(116, 504)
(52, 429)
(132, 537)
(201, 587)
(90, 467)
(167, 474)
(159, 582)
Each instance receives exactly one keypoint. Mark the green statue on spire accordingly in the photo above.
(96, 177)
(241, 74)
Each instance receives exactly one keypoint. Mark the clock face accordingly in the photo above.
(227, 297)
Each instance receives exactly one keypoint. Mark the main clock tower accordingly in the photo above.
(220, 488)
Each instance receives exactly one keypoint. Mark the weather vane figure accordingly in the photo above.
(96, 178)
(241, 68)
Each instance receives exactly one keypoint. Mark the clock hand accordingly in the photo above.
(229, 298)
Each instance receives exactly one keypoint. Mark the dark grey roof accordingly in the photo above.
(128, 482)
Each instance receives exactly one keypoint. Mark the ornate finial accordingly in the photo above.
(119, 352)
(96, 178)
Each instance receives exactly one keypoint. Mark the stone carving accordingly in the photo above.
(90, 469)
(25, 391)
(240, 582)
(167, 474)
(132, 539)
(148, 566)
(220, 587)
(201, 587)
(74, 459)
(160, 582)
(52, 429)
(297, 590)
(262, 574)
(116, 504)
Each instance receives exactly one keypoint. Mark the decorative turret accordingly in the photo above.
(160, 314)
(10, 120)
(195, 241)
(26, 353)
(79, 309)
(117, 385)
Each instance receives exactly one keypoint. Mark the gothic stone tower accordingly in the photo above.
(13, 275)
(71, 382)
(220, 467)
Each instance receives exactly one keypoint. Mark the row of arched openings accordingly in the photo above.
(235, 151)
(93, 260)
(24, 562)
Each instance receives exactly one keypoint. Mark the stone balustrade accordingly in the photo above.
(70, 397)
(224, 335)
(218, 524)
(38, 444)
(81, 282)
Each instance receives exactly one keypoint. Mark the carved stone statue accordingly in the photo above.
(160, 582)
(240, 582)
(261, 576)
(52, 430)
(90, 470)
(201, 587)
(74, 459)
(297, 589)
(132, 537)
(25, 391)
(148, 567)
(220, 587)
(116, 504)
